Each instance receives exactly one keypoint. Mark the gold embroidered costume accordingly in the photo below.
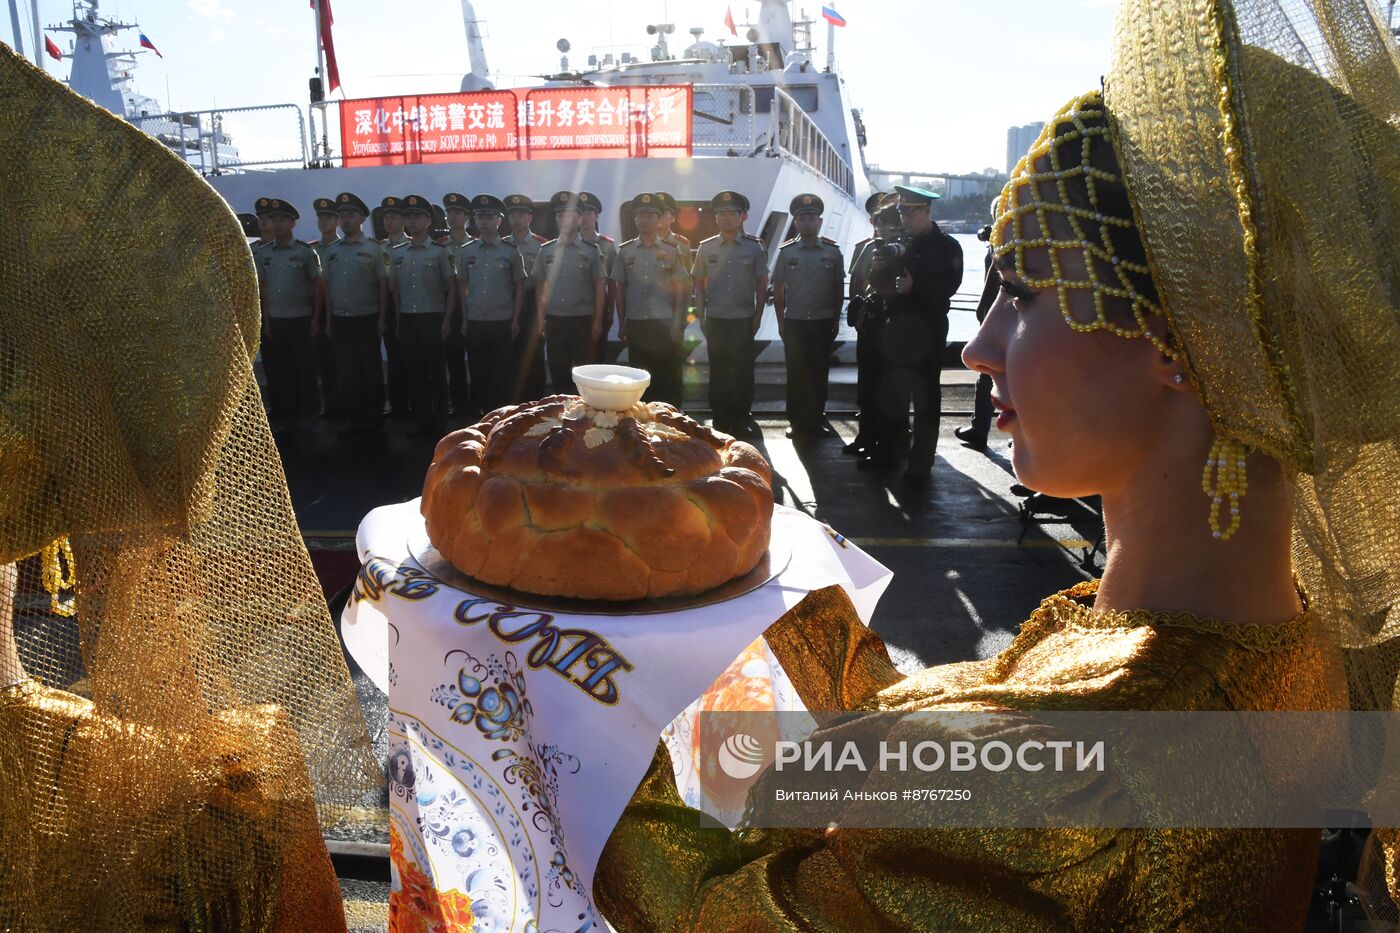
(1066, 657)
(1259, 144)
(177, 724)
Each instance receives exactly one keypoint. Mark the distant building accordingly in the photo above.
(1018, 143)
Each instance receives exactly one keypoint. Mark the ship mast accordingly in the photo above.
(479, 78)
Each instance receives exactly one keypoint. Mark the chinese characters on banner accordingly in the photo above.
(542, 123)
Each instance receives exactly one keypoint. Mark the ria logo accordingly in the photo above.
(741, 756)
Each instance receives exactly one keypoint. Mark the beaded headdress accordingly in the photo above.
(1038, 191)
(1043, 208)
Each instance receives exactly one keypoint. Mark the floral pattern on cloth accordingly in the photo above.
(477, 807)
(416, 906)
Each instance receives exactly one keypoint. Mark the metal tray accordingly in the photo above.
(774, 562)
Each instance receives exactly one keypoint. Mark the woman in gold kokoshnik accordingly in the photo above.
(177, 724)
(1197, 321)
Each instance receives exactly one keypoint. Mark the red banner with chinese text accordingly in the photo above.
(560, 123)
(607, 122)
(429, 128)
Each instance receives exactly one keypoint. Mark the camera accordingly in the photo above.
(886, 265)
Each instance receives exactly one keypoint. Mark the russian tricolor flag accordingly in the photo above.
(831, 16)
(148, 44)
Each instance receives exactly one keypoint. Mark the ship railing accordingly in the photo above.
(722, 120)
(795, 133)
(217, 142)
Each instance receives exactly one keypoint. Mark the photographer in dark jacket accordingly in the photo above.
(913, 339)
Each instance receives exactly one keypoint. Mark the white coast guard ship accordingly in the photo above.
(104, 73)
(761, 117)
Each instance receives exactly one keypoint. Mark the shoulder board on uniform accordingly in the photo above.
(787, 243)
(710, 239)
(314, 243)
(750, 236)
(444, 241)
(829, 241)
(540, 239)
(606, 238)
(399, 245)
(861, 243)
(300, 242)
(627, 243)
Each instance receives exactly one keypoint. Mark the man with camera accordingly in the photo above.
(928, 266)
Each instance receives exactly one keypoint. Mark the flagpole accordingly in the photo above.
(830, 47)
(320, 50)
(320, 75)
(38, 36)
(16, 28)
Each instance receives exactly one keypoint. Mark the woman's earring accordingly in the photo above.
(1179, 378)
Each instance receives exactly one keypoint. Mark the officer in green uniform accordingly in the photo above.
(571, 291)
(862, 318)
(457, 212)
(357, 290)
(420, 274)
(529, 342)
(391, 213)
(289, 279)
(666, 228)
(591, 208)
(328, 223)
(491, 283)
(731, 287)
(809, 288)
(651, 286)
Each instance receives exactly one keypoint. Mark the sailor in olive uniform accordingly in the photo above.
(421, 276)
(651, 289)
(391, 213)
(731, 287)
(571, 288)
(590, 208)
(289, 280)
(865, 322)
(357, 292)
(491, 283)
(457, 212)
(332, 405)
(529, 343)
(809, 287)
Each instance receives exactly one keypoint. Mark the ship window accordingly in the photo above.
(804, 94)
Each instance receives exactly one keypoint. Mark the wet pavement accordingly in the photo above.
(968, 569)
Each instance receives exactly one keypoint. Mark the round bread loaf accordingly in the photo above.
(557, 498)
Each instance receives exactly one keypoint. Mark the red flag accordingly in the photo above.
(327, 43)
(52, 49)
(729, 20)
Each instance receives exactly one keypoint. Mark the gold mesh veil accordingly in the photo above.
(170, 752)
(1260, 141)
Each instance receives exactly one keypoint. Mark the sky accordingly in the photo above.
(939, 81)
